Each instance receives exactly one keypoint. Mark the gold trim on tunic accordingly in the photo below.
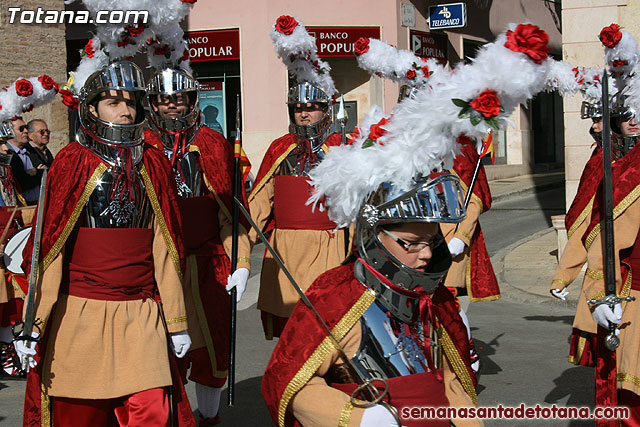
(257, 186)
(580, 219)
(192, 265)
(322, 352)
(629, 378)
(593, 274)
(153, 199)
(621, 207)
(178, 319)
(458, 365)
(560, 282)
(345, 414)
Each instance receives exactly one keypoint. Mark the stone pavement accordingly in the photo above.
(525, 268)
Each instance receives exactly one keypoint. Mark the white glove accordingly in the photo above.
(27, 349)
(603, 314)
(181, 341)
(377, 416)
(238, 280)
(560, 293)
(456, 247)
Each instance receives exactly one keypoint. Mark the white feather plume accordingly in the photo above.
(14, 104)
(421, 133)
(392, 63)
(299, 54)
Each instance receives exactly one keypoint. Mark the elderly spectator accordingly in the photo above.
(22, 164)
(38, 133)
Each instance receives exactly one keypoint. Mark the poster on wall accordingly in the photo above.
(212, 105)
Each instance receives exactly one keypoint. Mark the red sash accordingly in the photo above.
(200, 225)
(289, 210)
(112, 264)
(412, 391)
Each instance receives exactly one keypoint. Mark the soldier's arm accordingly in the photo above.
(317, 403)
(47, 289)
(226, 235)
(572, 259)
(468, 226)
(169, 281)
(458, 398)
(261, 207)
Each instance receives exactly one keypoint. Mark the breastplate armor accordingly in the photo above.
(189, 181)
(104, 211)
(388, 350)
(311, 153)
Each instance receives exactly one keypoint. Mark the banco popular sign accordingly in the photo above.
(215, 45)
(335, 42)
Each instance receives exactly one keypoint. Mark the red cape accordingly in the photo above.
(296, 358)
(277, 152)
(70, 181)
(626, 189)
(589, 181)
(483, 284)
(216, 163)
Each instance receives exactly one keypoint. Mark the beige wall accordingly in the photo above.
(29, 50)
(582, 21)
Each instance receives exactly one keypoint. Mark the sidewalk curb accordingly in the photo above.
(526, 191)
(513, 293)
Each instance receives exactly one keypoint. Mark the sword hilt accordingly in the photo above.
(376, 397)
(611, 341)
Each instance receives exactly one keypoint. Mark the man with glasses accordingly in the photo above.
(22, 163)
(38, 133)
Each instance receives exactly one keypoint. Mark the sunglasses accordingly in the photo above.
(44, 132)
(22, 128)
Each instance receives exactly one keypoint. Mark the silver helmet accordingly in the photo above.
(118, 76)
(169, 83)
(622, 142)
(593, 111)
(407, 91)
(430, 200)
(6, 130)
(304, 93)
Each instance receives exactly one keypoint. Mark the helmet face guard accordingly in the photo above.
(305, 93)
(171, 82)
(6, 130)
(118, 76)
(590, 110)
(436, 200)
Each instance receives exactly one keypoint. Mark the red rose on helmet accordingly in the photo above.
(611, 35)
(135, 30)
(530, 40)
(24, 87)
(425, 71)
(375, 131)
(487, 103)
(47, 82)
(161, 50)
(188, 1)
(361, 46)
(286, 24)
(411, 74)
(620, 63)
(69, 99)
(89, 50)
(126, 41)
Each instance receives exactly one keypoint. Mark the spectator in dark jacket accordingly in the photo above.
(38, 133)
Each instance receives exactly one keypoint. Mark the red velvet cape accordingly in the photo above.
(70, 182)
(589, 181)
(626, 178)
(277, 152)
(341, 300)
(216, 161)
(484, 284)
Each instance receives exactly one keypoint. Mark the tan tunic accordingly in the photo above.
(626, 227)
(306, 254)
(459, 273)
(317, 404)
(104, 349)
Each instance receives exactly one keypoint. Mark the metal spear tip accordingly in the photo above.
(341, 116)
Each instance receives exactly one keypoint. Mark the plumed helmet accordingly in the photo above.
(118, 76)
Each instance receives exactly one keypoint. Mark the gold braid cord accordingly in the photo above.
(322, 352)
(457, 364)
